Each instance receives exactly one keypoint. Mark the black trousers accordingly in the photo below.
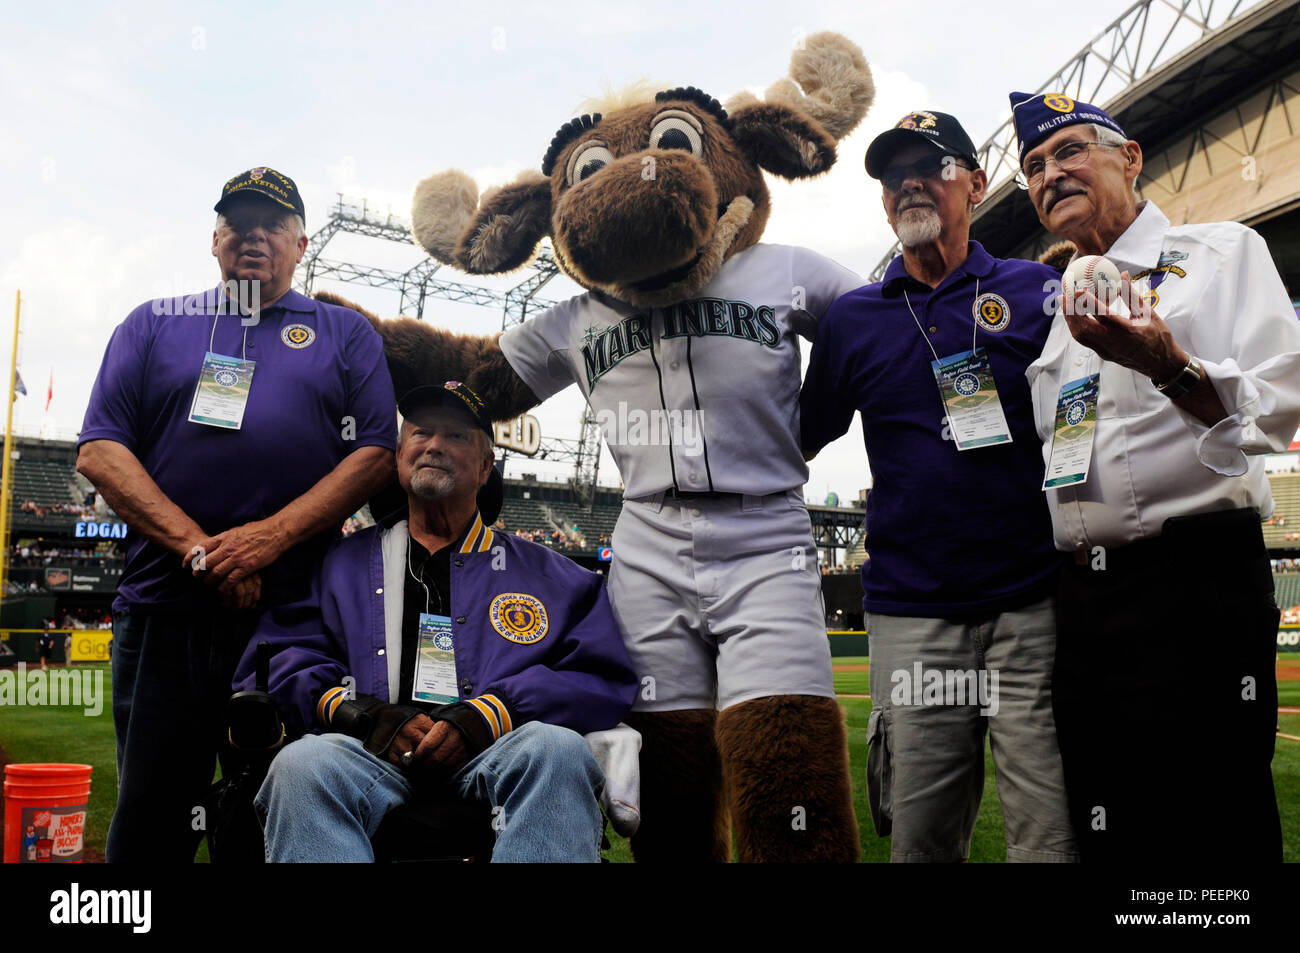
(171, 684)
(1165, 695)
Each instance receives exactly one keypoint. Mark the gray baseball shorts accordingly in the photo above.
(936, 685)
(719, 600)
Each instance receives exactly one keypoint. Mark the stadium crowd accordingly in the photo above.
(42, 510)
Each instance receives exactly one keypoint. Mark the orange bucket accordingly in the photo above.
(45, 812)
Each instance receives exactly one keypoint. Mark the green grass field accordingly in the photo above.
(66, 734)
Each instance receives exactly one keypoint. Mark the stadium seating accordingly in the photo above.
(1284, 531)
(1286, 587)
(44, 482)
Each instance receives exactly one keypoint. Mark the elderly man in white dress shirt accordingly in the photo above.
(1155, 411)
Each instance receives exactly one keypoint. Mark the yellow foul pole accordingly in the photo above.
(7, 473)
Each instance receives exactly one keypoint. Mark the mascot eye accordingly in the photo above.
(586, 161)
(677, 130)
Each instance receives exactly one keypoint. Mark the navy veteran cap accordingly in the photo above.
(451, 394)
(1039, 115)
(263, 181)
(939, 129)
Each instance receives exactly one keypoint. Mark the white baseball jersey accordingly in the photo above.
(702, 395)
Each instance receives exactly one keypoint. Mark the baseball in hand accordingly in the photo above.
(1094, 273)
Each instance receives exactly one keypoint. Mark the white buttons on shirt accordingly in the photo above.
(381, 651)
(379, 591)
(694, 477)
(674, 365)
(695, 512)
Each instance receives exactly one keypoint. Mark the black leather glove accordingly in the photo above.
(375, 722)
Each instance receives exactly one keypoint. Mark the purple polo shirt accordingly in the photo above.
(949, 533)
(320, 391)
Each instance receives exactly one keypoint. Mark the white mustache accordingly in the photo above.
(904, 205)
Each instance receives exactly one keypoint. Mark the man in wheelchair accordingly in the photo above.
(434, 655)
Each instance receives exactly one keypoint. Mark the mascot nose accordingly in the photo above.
(640, 216)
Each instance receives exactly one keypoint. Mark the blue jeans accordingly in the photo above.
(325, 797)
(171, 684)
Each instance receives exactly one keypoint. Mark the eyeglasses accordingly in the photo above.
(935, 167)
(1069, 157)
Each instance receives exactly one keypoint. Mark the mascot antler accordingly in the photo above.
(791, 134)
(829, 80)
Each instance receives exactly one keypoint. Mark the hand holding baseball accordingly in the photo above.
(1140, 340)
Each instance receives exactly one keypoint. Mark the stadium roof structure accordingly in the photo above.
(417, 284)
(1199, 77)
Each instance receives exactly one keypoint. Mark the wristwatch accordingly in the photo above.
(1183, 382)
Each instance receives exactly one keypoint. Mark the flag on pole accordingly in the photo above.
(19, 386)
(49, 394)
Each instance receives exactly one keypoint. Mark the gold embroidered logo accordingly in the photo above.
(519, 617)
(297, 336)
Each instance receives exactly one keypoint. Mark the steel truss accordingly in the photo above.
(1143, 39)
(418, 284)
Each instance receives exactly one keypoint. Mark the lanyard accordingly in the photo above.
(243, 354)
(420, 578)
(974, 324)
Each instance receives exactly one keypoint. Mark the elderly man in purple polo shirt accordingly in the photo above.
(234, 431)
(958, 587)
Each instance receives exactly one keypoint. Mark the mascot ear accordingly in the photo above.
(497, 235)
(793, 133)
(782, 140)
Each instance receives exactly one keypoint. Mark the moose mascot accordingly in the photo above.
(655, 205)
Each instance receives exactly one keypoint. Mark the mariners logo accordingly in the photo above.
(226, 378)
(1059, 101)
(297, 336)
(1074, 413)
(991, 312)
(443, 641)
(967, 384)
(519, 617)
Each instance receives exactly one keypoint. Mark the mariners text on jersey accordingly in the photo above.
(604, 349)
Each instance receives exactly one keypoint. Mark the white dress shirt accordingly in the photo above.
(1151, 460)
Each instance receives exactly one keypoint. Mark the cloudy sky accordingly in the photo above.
(120, 121)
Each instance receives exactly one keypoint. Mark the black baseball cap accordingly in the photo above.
(451, 394)
(275, 186)
(390, 504)
(938, 129)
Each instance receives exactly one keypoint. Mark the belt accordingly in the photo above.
(1234, 534)
(674, 494)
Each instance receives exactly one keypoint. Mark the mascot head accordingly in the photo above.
(644, 202)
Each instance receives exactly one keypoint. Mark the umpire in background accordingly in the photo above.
(234, 431)
(1165, 691)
